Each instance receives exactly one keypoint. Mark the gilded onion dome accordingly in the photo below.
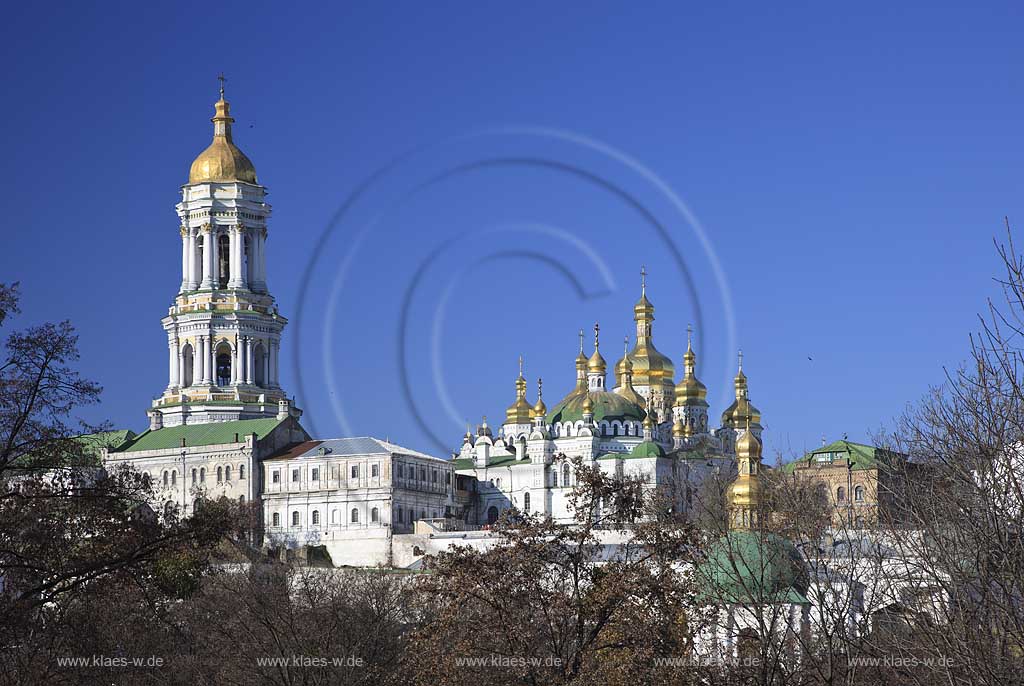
(596, 363)
(678, 428)
(741, 410)
(690, 391)
(650, 366)
(624, 374)
(540, 409)
(519, 412)
(222, 160)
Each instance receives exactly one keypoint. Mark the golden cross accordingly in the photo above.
(643, 278)
(220, 77)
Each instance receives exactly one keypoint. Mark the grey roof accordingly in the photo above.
(360, 445)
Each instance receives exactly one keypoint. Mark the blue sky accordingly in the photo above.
(848, 168)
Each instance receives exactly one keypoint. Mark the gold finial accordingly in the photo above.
(222, 79)
(581, 341)
(643, 279)
(689, 336)
(740, 356)
(625, 346)
(520, 366)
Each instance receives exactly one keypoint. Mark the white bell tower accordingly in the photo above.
(223, 329)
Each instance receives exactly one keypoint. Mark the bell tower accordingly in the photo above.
(223, 328)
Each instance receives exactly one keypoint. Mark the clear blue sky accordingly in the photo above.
(849, 167)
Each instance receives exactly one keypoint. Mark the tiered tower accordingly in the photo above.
(223, 329)
(651, 370)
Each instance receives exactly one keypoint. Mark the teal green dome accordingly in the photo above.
(751, 567)
(647, 449)
(607, 405)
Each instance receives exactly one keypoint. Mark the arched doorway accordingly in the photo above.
(187, 364)
(223, 364)
(492, 515)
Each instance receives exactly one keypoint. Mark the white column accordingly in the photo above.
(181, 367)
(275, 346)
(213, 360)
(204, 359)
(248, 360)
(250, 237)
(215, 258)
(174, 375)
(235, 237)
(184, 259)
(236, 360)
(208, 257)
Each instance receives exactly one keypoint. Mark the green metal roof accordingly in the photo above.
(468, 463)
(647, 449)
(861, 456)
(752, 567)
(214, 433)
(607, 405)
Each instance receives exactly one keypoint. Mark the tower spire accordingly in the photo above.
(745, 491)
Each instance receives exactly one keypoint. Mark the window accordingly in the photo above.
(526, 502)
(314, 474)
(193, 477)
(166, 477)
(375, 470)
(565, 476)
(220, 474)
(241, 499)
(554, 478)
(858, 494)
(334, 516)
(295, 476)
(355, 516)
(277, 519)
(316, 516)
(202, 475)
(355, 471)
(241, 472)
(433, 476)
(174, 478)
(398, 515)
(275, 477)
(423, 473)
(841, 494)
(227, 473)
(374, 515)
(295, 518)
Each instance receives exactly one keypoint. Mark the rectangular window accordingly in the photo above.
(375, 470)
(315, 474)
(275, 477)
(355, 471)
(295, 476)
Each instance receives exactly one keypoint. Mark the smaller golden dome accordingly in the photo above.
(222, 160)
(649, 420)
(678, 429)
(748, 446)
(540, 409)
(596, 363)
(588, 405)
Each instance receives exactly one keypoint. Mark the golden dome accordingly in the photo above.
(222, 160)
(650, 366)
(540, 409)
(690, 391)
(747, 446)
(624, 374)
(596, 363)
(519, 411)
(741, 411)
(678, 429)
(588, 405)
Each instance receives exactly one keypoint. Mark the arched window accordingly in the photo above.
(822, 490)
(355, 516)
(223, 364)
(187, 366)
(223, 260)
(174, 477)
(526, 502)
(565, 476)
(241, 471)
(169, 508)
(259, 357)
(374, 515)
(316, 516)
(193, 476)
(295, 518)
(858, 494)
(166, 478)
(554, 478)
(241, 499)
(202, 475)
(220, 474)
(334, 516)
(277, 519)
(227, 473)
(841, 494)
